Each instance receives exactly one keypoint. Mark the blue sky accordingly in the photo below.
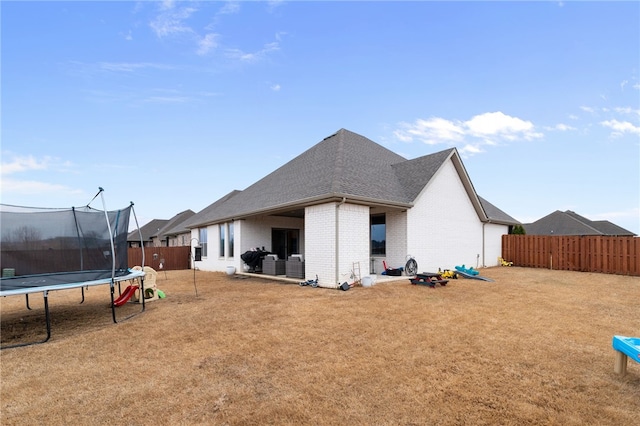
(174, 104)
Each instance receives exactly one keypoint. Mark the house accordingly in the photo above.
(174, 233)
(571, 223)
(163, 233)
(148, 231)
(348, 201)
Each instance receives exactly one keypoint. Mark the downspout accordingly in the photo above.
(337, 239)
(484, 249)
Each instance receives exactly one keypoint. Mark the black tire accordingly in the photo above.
(411, 268)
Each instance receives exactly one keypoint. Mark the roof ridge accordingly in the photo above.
(579, 218)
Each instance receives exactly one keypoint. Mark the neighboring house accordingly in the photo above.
(148, 231)
(174, 233)
(163, 233)
(348, 199)
(571, 223)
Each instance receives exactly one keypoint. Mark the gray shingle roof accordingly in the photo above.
(571, 223)
(205, 215)
(175, 225)
(344, 164)
(148, 231)
(496, 215)
(609, 228)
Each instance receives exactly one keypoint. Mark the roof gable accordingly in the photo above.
(413, 175)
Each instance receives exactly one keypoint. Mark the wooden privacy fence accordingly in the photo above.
(608, 255)
(172, 258)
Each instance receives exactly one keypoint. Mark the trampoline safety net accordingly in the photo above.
(35, 241)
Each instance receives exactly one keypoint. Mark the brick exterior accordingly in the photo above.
(443, 227)
(354, 240)
(320, 243)
(441, 230)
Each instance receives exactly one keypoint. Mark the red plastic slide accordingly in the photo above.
(125, 296)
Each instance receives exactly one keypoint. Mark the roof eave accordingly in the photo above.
(307, 202)
(468, 186)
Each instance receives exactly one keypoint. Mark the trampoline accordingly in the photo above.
(45, 250)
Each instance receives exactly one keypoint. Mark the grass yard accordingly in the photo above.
(531, 348)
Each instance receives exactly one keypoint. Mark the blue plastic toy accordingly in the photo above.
(468, 271)
(626, 347)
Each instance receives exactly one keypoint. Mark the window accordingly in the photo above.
(231, 239)
(221, 228)
(203, 241)
(378, 235)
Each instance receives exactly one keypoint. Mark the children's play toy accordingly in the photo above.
(503, 262)
(471, 273)
(625, 347)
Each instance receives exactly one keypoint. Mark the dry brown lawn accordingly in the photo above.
(533, 347)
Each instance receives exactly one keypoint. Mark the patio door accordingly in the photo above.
(285, 242)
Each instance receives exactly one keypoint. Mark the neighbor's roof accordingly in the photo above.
(162, 228)
(571, 223)
(148, 231)
(343, 165)
(175, 226)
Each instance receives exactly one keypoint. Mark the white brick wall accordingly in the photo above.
(320, 241)
(320, 247)
(443, 229)
(354, 240)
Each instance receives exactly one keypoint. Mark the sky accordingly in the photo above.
(173, 104)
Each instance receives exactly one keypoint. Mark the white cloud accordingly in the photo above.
(19, 164)
(272, 5)
(620, 127)
(499, 124)
(238, 54)
(27, 163)
(432, 131)
(587, 109)
(561, 127)
(627, 110)
(207, 43)
(171, 20)
(229, 8)
(275, 87)
(484, 129)
(469, 149)
(23, 164)
(31, 187)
